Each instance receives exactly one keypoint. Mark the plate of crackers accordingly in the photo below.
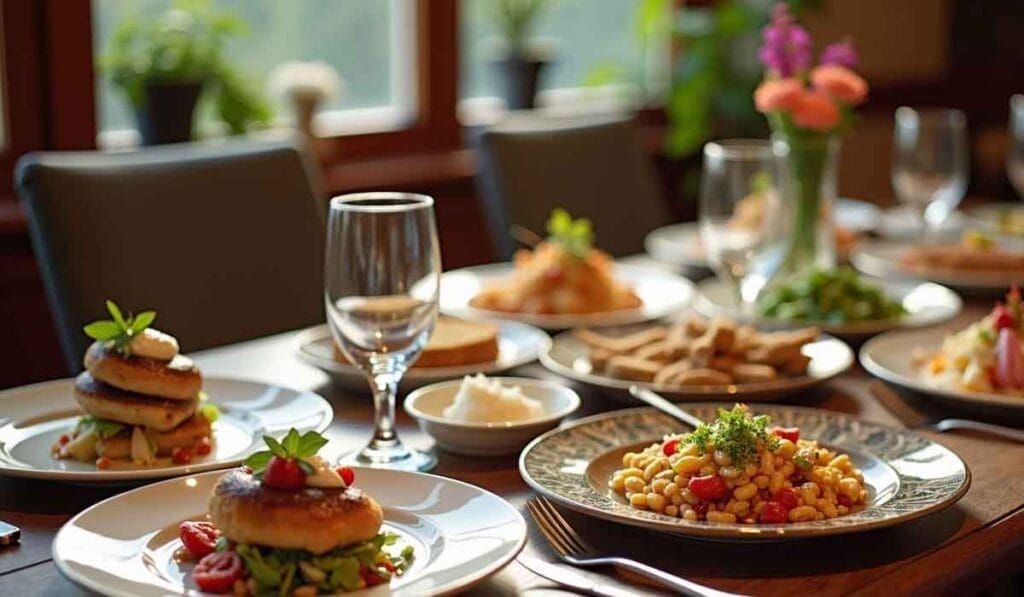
(698, 358)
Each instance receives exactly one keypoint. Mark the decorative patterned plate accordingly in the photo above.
(33, 417)
(926, 304)
(125, 545)
(518, 344)
(662, 292)
(907, 475)
(568, 357)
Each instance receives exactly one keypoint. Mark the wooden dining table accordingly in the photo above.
(959, 550)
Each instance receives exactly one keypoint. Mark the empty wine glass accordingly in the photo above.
(382, 278)
(737, 204)
(930, 163)
(1015, 158)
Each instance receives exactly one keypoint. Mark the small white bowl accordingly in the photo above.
(489, 439)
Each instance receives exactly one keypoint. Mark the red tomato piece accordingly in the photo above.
(772, 513)
(1009, 360)
(787, 498)
(844, 501)
(204, 447)
(1002, 318)
(790, 433)
(670, 447)
(347, 475)
(284, 473)
(102, 463)
(701, 508)
(181, 455)
(709, 488)
(199, 538)
(64, 439)
(218, 571)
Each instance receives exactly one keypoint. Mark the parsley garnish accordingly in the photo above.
(292, 446)
(575, 236)
(736, 434)
(119, 330)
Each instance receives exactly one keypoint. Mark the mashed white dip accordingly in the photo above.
(154, 344)
(482, 400)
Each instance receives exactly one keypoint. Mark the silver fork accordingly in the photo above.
(914, 419)
(572, 549)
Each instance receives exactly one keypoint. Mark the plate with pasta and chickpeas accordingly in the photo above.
(765, 473)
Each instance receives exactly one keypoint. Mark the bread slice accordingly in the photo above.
(455, 342)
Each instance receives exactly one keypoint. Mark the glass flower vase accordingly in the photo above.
(806, 168)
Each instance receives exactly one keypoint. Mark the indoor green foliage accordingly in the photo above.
(515, 19)
(185, 45)
(119, 330)
(575, 236)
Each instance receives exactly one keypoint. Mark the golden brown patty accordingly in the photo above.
(185, 435)
(107, 402)
(313, 519)
(178, 379)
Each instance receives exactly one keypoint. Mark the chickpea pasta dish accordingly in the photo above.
(740, 469)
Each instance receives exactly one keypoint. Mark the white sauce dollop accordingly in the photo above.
(154, 344)
(482, 400)
(324, 475)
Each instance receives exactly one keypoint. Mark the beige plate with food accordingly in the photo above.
(906, 474)
(518, 344)
(461, 534)
(662, 292)
(569, 356)
(891, 357)
(883, 259)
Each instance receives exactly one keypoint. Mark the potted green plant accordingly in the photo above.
(164, 65)
(522, 56)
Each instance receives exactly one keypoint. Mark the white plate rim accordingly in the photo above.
(97, 476)
(481, 574)
(870, 258)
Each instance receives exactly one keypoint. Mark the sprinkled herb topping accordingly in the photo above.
(736, 433)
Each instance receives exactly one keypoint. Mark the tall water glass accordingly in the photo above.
(1015, 157)
(382, 278)
(737, 204)
(930, 163)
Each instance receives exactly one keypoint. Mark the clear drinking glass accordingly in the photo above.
(1015, 157)
(737, 205)
(930, 163)
(382, 278)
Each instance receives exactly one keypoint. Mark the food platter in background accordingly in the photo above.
(885, 259)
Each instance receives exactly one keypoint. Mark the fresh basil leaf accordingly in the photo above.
(306, 467)
(102, 330)
(275, 446)
(209, 411)
(115, 312)
(258, 461)
(291, 442)
(310, 443)
(142, 321)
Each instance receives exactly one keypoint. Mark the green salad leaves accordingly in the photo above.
(575, 236)
(102, 428)
(119, 330)
(828, 296)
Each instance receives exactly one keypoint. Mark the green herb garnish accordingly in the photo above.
(103, 428)
(736, 434)
(292, 446)
(575, 236)
(119, 330)
(828, 296)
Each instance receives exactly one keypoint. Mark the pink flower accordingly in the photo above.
(777, 95)
(841, 83)
(815, 110)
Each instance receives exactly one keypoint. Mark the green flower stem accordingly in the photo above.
(807, 163)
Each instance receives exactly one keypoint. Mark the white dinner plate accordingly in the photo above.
(570, 357)
(926, 304)
(680, 245)
(884, 260)
(907, 475)
(987, 217)
(518, 344)
(904, 223)
(662, 293)
(461, 534)
(33, 417)
(891, 356)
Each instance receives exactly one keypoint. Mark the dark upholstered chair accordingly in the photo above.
(594, 168)
(224, 241)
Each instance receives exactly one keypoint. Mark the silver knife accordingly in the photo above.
(567, 577)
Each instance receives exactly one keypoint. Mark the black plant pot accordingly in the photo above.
(166, 112)
(519, 78)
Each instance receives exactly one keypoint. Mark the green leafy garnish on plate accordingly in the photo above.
(735, 433)
(836, 296)
(101, 427)
(575, 236)
(119, 330)
(293, 446)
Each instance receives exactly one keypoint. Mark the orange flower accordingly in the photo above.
(815, 110)
(777, 95)
(841, 83)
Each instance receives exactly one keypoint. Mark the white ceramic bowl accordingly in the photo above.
(489, 439)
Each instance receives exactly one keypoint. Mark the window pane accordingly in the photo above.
(365, 41)
(588, 35)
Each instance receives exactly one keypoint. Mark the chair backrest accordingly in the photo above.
(594, 168)
(224, 241)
